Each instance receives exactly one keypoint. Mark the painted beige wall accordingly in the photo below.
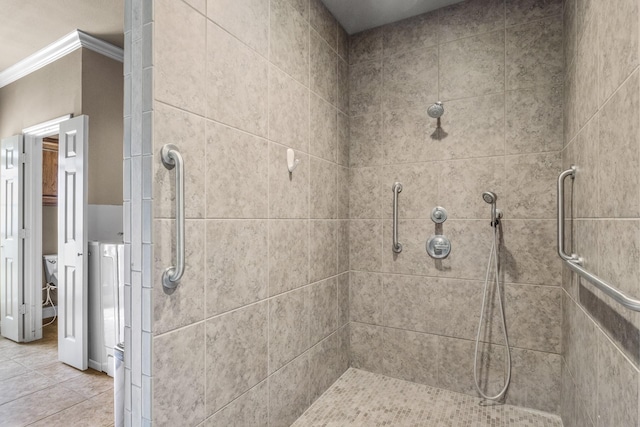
(102, 95)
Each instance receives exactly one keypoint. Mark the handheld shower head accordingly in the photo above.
(489, 197)
(436, 110)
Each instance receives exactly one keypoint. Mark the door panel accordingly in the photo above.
(11, 243)
(73, 347)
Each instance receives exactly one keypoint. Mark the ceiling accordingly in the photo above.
(27, 26)
(359, 15)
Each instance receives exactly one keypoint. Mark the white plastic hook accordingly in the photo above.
(292, 162)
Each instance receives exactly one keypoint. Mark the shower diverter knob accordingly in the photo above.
(438, 246)
(439, 215)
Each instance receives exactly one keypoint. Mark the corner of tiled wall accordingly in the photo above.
(137, 210)
(601, 343)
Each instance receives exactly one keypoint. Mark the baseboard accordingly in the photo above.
(48, 312)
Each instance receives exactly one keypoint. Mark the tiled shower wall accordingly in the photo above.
(601, 342)
(498, 68)
(258, 328)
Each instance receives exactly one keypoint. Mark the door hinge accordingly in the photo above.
(22, 309)
(22, 158)
(23, 233)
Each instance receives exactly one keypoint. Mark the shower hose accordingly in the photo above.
(493, 256)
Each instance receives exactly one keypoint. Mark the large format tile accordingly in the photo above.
(412, 235)
(236, 174)
(323, 189)
(187, 132)
(534, 120)
(323, 22)
(288, 255)
(288, 327)
(38, 405)
(419, 190)
(364, 193)
(344, 130)
(530, 179)
(288, 192)
(289, 392)
(366, 297)
(185, 304)
(324, 366)
(406, 137)
(323, 249)
(412, 33)
(343, 86)
(618, 35)
(366, 346)
(410, 79)
(410, 356)
(237, 264)
(473, 66)
(365, 240)
(587, 74)
(288, 111)
(323, 309)
(250, 409)
(535, 380)
(365, 88)
(365, 142)
(179, 56)
(534, 54)
(98, 409)
(343, 299)
(343, 245)
(22, 385)
(469, 18)
(238, 92)
(324, 129)
(366, 45)
(585, 185)
(289, 41)
(523, 11)
(248, 20)
(179, 376)
(236, 354)
(619, 152)
(324, 69)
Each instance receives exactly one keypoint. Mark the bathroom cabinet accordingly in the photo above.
(49, 172)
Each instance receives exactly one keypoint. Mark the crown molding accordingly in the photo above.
(56, 50)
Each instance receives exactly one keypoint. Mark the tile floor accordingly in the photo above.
(361, 398)
(37, 390)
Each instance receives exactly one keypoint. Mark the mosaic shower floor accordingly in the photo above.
(361, 398)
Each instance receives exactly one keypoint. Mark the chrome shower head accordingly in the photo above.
(489, 197)
(436, 110)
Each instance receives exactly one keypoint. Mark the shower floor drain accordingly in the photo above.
(361, 398)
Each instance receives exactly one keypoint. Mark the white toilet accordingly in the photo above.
(50, 269)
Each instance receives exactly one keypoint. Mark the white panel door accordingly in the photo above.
(11, 244)
(73, 346)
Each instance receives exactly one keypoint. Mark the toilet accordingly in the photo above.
(50, 269)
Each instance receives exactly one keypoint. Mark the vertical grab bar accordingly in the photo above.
(171, 158)
(397, 246)
(560, 201)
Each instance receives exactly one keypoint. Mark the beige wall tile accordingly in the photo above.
(365, 87)
(289, 41)
(534, 121)
(365, 193)
(237, 264)
(419, 193)
(412, 33)
(587, 74)
(288, 192)
(523, 11)
(289, 393)
(406, 137)
(535, 380)
(344, 130)
(586, 159)
(322, 249)
(239, 95)
(343, 43)
(300, 6)
(179, 56)
(248, 20)
(366, 347)
(470, 18)
(323, 309)
(236, 354)
(619, 152)
(365, 144)
(365, 297)
(412, 235)
(324, 129)
(365, 245)
(249, 409)
(324, 366)
(324, 69)
(288, 327)
(343, 192)
(185, 305)
(343, 246)
(343, 299)
(343, 85)
(323, 189)
(415, 360)
(324, 23)
(570, 31)
(179, 376)
(365, 46)
(410, 79)
(534, 54)
(473, 66)
(288, 255)
(236, 174)
(288, 111)
(187, 132)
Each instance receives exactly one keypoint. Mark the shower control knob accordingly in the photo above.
(438, 246)
(439, 215)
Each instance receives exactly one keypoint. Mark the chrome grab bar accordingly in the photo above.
(574, 261)
(171, 158)
(560, 201)
(397, 188)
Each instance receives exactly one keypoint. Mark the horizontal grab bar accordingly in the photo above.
(616, 294)
(573, 261)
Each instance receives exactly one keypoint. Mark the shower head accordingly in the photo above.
(436, 110)
(489, 197)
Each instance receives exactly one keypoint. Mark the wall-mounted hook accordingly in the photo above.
(292, 162)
